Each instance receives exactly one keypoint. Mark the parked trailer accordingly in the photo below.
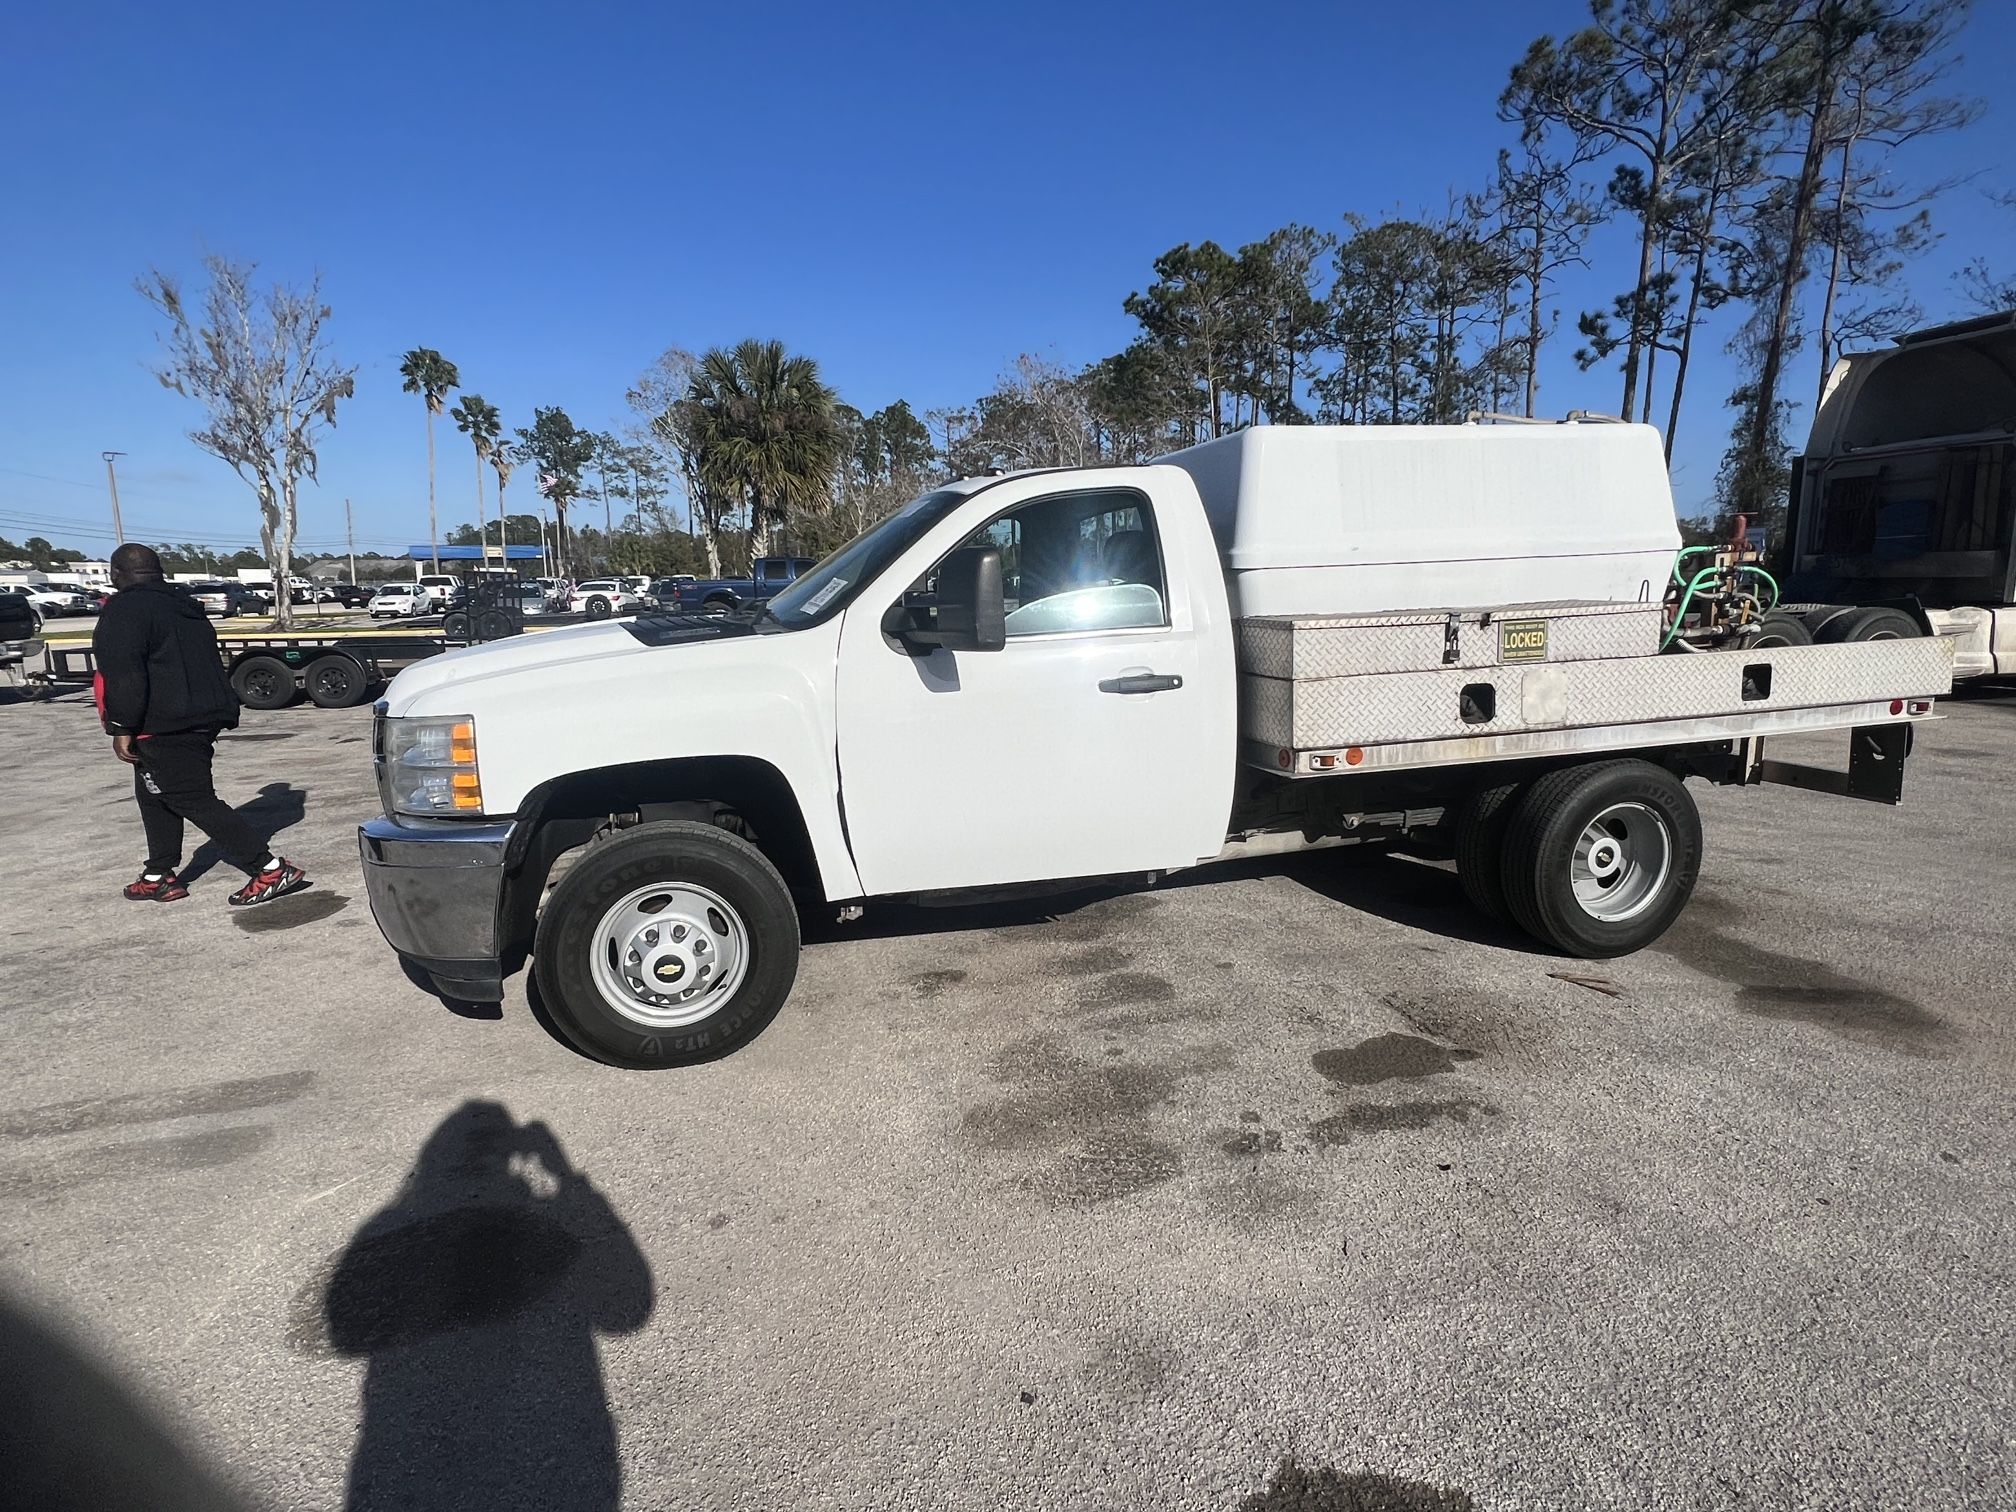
(271, 671)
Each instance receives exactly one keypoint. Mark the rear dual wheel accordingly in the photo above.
(1596, 861)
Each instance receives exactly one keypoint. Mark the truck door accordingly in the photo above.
(1098, 741)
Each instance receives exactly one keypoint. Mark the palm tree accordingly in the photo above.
(431, 376)
(503, 458)
(476, 418)
(765, 430)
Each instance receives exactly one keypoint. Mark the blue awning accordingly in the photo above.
(473, 553)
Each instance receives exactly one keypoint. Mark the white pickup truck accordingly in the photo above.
(1449, 639)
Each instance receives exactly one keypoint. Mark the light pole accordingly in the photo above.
(112, 481)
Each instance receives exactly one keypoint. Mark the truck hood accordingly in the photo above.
(475, 668)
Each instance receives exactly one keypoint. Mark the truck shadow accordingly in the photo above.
(1399, 888)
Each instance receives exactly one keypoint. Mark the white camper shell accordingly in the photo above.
(1360, 519)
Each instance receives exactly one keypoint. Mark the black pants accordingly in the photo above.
(173, 783)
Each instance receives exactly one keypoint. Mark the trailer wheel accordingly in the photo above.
(456, 626)
(1599, 860)
(670, 944)
(1779, 630)
(495, 624)
(1870, 625)
(263, 682)
(336, 682)
(1480, 837)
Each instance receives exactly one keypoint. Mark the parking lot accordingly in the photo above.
(1284, 1186)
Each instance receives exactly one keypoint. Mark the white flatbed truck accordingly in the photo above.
(1446, 639)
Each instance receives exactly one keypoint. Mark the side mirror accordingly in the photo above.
(972, 613)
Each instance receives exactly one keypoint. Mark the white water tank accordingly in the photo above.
(1349, 519)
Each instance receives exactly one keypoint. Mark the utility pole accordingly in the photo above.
(112, 481)
(350, 541)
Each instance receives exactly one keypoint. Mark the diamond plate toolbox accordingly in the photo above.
(1382, 707)
(1352, 645)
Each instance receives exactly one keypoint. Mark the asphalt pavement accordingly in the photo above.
(1285, 1186)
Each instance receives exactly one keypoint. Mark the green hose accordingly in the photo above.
(1680, 614)
(1686, 552)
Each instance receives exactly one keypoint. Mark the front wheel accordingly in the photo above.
(1599, 860)
(670, 944)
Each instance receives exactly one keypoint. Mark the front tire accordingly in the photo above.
(670, 944)
(1599, 860)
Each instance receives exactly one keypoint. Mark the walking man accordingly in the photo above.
(163, 696)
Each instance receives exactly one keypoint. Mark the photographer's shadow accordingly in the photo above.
(476, 1298)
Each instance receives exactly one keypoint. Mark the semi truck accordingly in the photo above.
(1902, 521)
(1452, 640)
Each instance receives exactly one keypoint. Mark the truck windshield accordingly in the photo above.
(823, 590)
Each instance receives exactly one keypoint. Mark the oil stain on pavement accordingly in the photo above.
(290, 913)
(1392, 1118)
(1296, 1488)
(1387, 1057)
(234, 1096)
(141, 1157)
(1087, 1126)
(1384, 1058)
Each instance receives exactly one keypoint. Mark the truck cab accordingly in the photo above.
(1903, 510)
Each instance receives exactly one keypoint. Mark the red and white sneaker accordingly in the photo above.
(276, 881)
(165, 888)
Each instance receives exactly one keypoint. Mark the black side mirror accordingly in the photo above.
(972, 613)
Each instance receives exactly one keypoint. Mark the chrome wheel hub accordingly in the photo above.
(1621, 861)
(670, 954)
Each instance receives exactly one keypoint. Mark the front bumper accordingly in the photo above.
(435, 888)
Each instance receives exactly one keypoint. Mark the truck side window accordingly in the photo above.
(1075, 562)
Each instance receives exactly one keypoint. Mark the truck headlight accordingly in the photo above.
(427, 765)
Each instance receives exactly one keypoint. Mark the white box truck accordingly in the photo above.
(1446, 639)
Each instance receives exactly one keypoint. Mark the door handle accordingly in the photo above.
(1141, 682)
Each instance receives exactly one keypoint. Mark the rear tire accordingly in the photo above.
(1778, 630)
(1599, 860)
(717, 606)
(456, 626)
(263, 682)
(336, 682)
(598, 608)
(495, 624)
(601, 956)
(1870, 625)
(1480, 835)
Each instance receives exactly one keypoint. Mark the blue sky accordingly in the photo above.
(552, 195)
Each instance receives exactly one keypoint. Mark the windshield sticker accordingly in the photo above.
(824, 596)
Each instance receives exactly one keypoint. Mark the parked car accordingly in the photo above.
(397, 601)
(715, 595)
(349, 595)
(666, 589)
(94, 597)
(224, 598)
(599, 598)
(434, 590)
(51, 600)
(20, 620)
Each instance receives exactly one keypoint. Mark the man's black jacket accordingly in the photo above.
(157, 656)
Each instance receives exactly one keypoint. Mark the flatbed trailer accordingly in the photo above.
(271, 671)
